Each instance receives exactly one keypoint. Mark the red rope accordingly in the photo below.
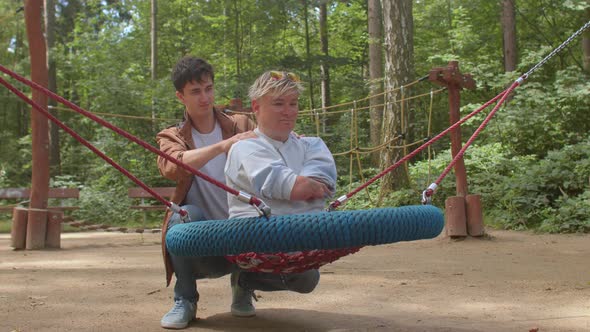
(342, 199)
(84, 142)
(253, 200)
(461, 152)
(293, 262)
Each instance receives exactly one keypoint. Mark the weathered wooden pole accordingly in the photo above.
(18, 232)
(37, 216)
(451, 78)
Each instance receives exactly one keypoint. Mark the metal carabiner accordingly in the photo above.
(427, 194)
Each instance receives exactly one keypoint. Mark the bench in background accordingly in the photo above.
(165, 192)
(21, 195)
(144, 196)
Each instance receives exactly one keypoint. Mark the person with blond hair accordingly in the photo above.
(291, 174)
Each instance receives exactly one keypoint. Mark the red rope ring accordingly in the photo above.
(292, 262)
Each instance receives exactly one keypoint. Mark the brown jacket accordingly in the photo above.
(174, 141)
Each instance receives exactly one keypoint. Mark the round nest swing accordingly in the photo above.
(295, 243)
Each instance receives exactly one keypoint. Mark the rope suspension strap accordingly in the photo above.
(555, 51)
(335, 204)
(261, 207)
(174, 207)
(426, 195)
(429, 192)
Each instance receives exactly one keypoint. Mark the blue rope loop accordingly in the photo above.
(300, 232)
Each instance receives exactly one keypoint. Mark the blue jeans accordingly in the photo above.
(189, 269)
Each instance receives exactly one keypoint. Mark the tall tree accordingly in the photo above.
(308, 53)
(509, 34)
(54, 146)
(154, 54)
(324, 67)
(375, 71)
(586, 43)
(398, 31)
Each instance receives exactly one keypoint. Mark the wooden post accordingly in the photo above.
(457, 213)
(451, 78)
(18, 232)
(456, 223)
(36, 229)
(37, 220)
(235, 104)
(474, 215)
(54, 220)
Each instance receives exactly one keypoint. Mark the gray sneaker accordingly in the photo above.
(183, 312)
(241, 305)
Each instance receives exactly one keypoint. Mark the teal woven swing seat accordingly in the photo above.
(341, 232)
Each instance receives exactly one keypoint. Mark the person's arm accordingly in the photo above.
(196, 158)
(319, 163)
(307, 188)
(259, 170)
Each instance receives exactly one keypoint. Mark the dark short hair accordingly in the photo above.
(189, 69)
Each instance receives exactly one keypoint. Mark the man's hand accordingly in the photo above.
(306, 189)
(227, 144)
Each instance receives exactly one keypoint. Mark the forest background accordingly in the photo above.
(366, 95)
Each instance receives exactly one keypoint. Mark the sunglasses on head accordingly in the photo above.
(279, 75)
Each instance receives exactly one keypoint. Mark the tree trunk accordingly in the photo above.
(586, 44)
(23, 114)
(399, 69)
(308, 54)
(375, 73)
(36, 225)
(509, 35)
(238, 41)
(324, 67)
(154, 57)
(54, 156)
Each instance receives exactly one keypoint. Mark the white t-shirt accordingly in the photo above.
(207, 196)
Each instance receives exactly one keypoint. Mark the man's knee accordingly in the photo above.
(304, 282)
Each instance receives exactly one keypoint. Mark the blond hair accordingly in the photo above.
(276, 83)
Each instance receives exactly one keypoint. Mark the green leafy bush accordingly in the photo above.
(518, 192)
(546, 194)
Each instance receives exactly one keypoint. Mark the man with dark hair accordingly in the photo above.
(202, 141)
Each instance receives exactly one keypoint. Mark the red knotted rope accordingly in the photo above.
(293, 262)
(84, 142)
(428, 192)
(76, 108)
(344, 198)
(461, 152)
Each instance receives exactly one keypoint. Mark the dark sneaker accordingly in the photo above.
(180, 315)
(241, 305)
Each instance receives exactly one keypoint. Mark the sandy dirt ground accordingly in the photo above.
(511, 281)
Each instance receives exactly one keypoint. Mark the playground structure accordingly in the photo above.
(464, 210)
(459, 206)
(36, 228)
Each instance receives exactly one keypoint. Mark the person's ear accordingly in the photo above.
(180, 96)
(255, 106)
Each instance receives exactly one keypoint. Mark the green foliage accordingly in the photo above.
(570, 215)
(545, 116)
(550, 195)
(105, 200)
